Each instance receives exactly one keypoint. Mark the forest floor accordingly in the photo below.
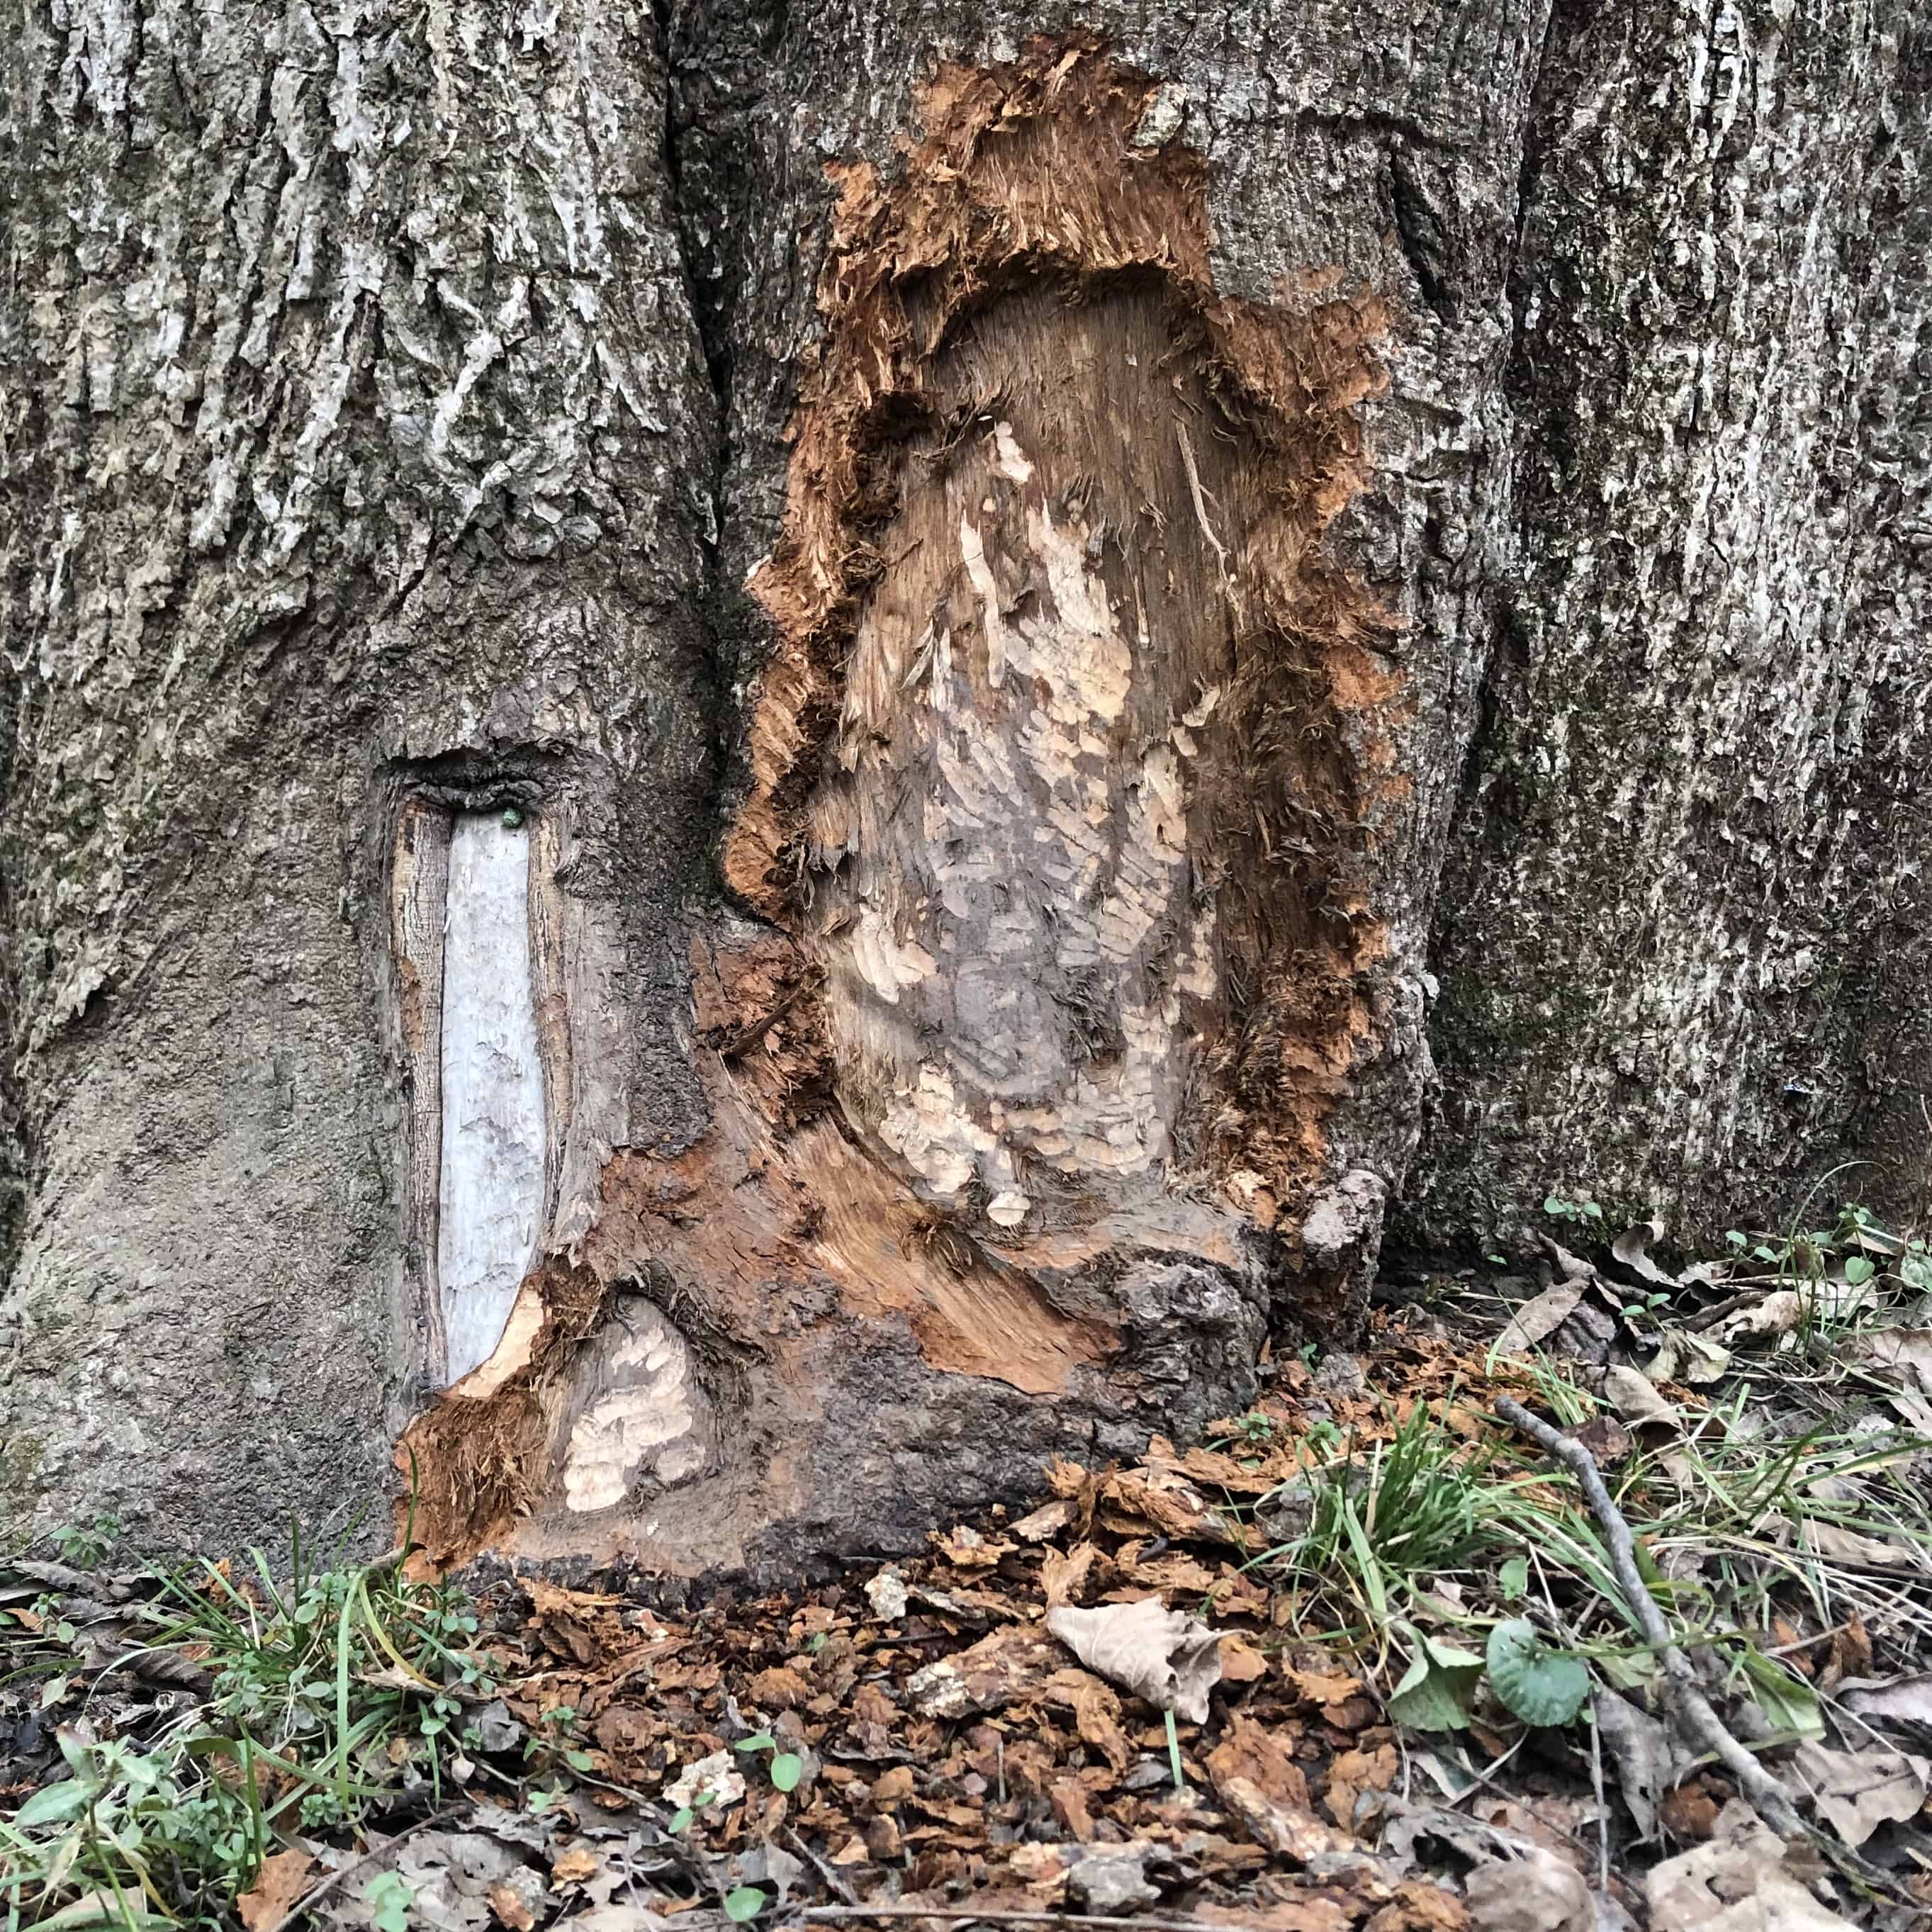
(1369, 1657)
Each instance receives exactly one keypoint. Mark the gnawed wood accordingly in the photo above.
(1065, 766)
(1063, 776)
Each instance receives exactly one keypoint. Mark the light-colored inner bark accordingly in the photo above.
(491, 1188)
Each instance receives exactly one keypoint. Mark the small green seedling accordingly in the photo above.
(83, 1548)
(1644, 1307)
(743, 1903)
(559, 1730)
(785, 1768)
(1580, 1212)
(389, 1900)
(683, 1819)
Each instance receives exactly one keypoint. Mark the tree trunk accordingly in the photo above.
(731, 738)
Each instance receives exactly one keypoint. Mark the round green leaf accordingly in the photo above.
(746, 1902)
(1540, 1685)
(787, 1768)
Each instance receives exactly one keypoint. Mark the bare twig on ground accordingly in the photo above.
(1693, 1710)
(835, 1879)
(1597, 1792)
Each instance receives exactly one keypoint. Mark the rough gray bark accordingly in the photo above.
(396, 404)
(1683, 952)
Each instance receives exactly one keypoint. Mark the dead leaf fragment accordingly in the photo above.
(1856, 1792)
(1325, 1687)
(1632, 1248)
(1169, 1658)
(1636, 1400)
(284, 1878)
(1046, 1522)
(1541, 1316)
(1640, 1750)
(713, 1780)
(1008, 1664)
(509, 1910)
(574, 1866)
(1064, 1574)
(966, 1549)
(1737, 1882)
(1535, 1893)
(1354, 1773)
(1906, 1350)
(1241, 1662)
(1906, 1701)
(1683, 1355)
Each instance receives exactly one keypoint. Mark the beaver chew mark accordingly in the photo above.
(1020, 955)
(1063, 772)
(1066, 765)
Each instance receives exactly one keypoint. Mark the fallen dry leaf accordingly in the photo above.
(780, 1688)
(1096, 1713)
(1324, 1686)
(1063, 1575)
(1903, 1700)
(284, 1878)
(1632, 1248)
(1241, 1662)
(1046, 1522)
(1609, 1442)
(1535, 1893)
(1849, 1546)
(1419, 1906)
(1636, 1400)
(1684, 1356)
(1007, 1665)
(1354, 1772)
(1856, 1792)
(1286, 1914)
(1641, 1754)
(1907, 1350)
(716, 1780)
(1541, 1317)
(574, 1866)
(1169, 1658)
(1737, 1882)
(509, 1910)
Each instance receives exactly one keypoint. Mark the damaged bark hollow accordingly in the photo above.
(1056, 819)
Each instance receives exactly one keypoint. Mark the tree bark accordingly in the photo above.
(731, 736)
(1683, 946)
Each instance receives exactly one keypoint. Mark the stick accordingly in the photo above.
(834, 1878)
(1692, 1709)
(960, 1915)
(1597, 1792)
